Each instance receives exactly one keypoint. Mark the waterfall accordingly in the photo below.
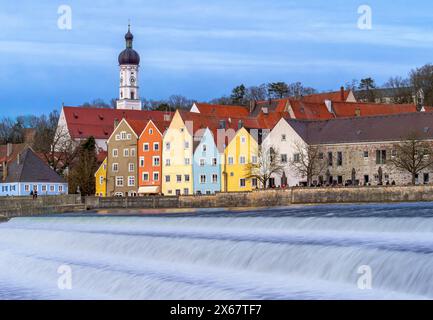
(283, 253)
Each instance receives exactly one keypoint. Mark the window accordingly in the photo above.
(115, 153)
(101, 181)
(202, 162)
(214, 162)
(60, 188)
(365, 154)
(150, 131)
(52, 188)
(330, 159)
(117, 137)
(128, 136)
(242, 160)
(394, 153)
(296, 158)
(156, 176)
(254, 182)
(284, 158)
(156, 161)
(145, 147)
(202, 178)
(167, 178)
(132, 152)
(242, 183)
(145, 176)
(204, 148)
(167, 162)
(126, 152)
(187, 161)
(131, 181)
(141, 162)
(214, 178)
(339, 158)
(186, 144)
(27, 188)
(321, 156)
(131, 167)
(243, 140)
(119, 181)
(186, 191)
(254, 159)
(187, 178)
(123, 135)
(115, 167)
(380, 156)
(283, 137)
(44, 188)
(230, 160)
(167, 146)
(178, 178)
(156, 146)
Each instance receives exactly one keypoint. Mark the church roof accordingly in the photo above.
(99, 122)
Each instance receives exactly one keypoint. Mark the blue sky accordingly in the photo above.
(201, 49)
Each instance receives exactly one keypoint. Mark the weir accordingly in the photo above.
(285, 253)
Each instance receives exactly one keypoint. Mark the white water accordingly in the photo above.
(283, 253)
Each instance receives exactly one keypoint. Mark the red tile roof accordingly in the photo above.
(303, 110)
(321, 97)
(99, 122)
(350, 109)
(222, 110)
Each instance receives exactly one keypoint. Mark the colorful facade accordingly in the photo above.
(101, 180)
(207, 165)
(240, 151)
(150, 159)
(177, 154)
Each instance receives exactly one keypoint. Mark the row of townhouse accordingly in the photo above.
(182, 157)
(201, 153)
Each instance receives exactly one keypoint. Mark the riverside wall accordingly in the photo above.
(26, 206)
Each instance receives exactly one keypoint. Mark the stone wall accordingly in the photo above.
(362, 194)
(26, 206)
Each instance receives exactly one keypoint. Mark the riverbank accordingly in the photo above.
(15, 207)
(3, 219)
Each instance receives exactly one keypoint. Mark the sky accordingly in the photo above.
(202, 48)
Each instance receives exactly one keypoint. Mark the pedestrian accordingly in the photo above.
(32, 194)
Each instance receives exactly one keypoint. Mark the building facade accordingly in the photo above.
(101, 180)
(207, 165)
(150, 145)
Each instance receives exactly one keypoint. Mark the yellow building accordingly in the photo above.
(177, 155)
(101, 180)
(241, 150)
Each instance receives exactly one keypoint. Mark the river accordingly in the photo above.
(306, 252)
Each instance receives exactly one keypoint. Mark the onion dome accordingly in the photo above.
(129, 55)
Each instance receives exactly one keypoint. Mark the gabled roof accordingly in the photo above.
(222, 110)
(99, 122)
(16, 148)
(31, 168)
(304, 110)
(365, 129)
(350, 109)
(341, 95)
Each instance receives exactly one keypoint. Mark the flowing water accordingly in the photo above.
(312, 252)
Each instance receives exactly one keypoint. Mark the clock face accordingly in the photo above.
(132, 80)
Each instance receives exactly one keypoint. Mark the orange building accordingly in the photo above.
(150, 158)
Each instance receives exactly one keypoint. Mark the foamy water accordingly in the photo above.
(283, 253)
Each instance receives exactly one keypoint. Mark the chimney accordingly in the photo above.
(252, 105)
(5, 170)
(9, 149)
(342, 93)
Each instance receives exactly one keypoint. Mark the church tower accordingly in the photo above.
(129, 62)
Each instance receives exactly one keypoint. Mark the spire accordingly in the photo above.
(129, 37)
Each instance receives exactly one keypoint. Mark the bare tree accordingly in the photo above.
(256, 93)
(412, 155)
(268, 163)
(402, 90)
(54, 144)
(307, 161)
